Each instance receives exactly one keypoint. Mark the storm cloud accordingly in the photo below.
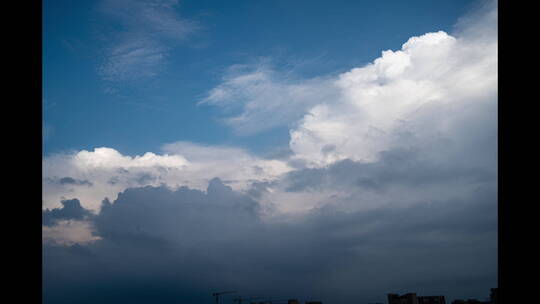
(184, 244)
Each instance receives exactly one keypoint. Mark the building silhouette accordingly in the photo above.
(431, 300)
(408, 298)
(493, 299)
(412, 298)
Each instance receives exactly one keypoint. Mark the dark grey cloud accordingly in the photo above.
(70, 210)
(166, 246)
(67, 180)
(138, 178)
(145, 178)
(258, 189)
(71, 181)
(405, 167)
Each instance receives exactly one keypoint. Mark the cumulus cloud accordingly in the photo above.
(421, 93)
(432, 103)
(416, 124)
(71, 210)
(104, 172)
(148, 31)
(437, 86)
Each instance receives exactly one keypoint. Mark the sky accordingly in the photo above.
(287, 149)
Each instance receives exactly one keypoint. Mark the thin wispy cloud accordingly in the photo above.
(145, 33)
(258, 89)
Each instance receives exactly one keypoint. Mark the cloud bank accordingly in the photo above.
(161, 245)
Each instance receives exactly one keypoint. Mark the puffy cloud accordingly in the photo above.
(110, 158)
(106, 172)
(436, 97)
(437, 86)
(172, 215)
(71, 210)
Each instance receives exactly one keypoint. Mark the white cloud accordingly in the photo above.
(107, 172)
(401, 91)
(434, 87)
(435, 97)
(110, 158)
(267, 98)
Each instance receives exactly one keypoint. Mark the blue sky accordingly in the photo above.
(316, 37)
(341, 150)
